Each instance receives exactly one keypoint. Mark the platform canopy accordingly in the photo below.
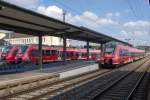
(17, 19)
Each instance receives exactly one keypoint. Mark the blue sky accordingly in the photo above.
(123, 19)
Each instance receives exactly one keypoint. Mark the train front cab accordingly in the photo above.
(114, 57)
(107, 56)
(9, 54)
(109, 61)
(12, 54)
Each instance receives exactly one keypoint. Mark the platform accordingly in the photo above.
(63, 69)
(77, 71)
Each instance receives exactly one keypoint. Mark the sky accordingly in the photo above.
(127, 20)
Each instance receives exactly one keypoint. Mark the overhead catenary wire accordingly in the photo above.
(136, 10)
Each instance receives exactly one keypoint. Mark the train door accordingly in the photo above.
(34, 55)
(54, 54)
(121, 56)
(12, 54)
(80, 55)
(60, 55)
(90, 55)
(84, 56)
(126, 57)
(46, 54)
(68, 55)
(76, 55)
(71, 55)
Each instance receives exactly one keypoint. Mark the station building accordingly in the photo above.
(16, 38)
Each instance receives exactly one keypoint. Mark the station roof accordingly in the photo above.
(17, 19)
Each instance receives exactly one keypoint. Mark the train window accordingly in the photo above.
(129, 53)
(22, 49)
(72, 53)
(67, 53)
(80, 54)
(97, 55)
(34, 52)
(53, 52)
(83, 54)
(109, 50)
(6, 49)
(76, 54)
(93, 54)
(120, 53)
(46, 52)
(123, 52)
(60, 53)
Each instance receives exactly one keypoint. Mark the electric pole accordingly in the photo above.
(64, 15)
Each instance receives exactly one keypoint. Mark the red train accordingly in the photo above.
(30, 53)
(118, 54)
(9, 53)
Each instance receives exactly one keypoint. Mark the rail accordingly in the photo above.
(116, 82)
(82, 89)
(20, 88)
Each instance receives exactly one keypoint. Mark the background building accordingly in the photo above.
(16, 38)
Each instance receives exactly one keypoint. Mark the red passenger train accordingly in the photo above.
(118, 54)
(30, 53)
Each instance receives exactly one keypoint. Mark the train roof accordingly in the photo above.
(130, 48)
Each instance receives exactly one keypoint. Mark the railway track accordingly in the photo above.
(81, 90)
(26, 88)
(123, 88)
(53, 87)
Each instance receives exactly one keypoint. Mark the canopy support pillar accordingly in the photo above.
(64, 48)
(40, 52)
(87, 48)
(102, 49)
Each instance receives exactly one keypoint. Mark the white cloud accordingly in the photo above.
(136, 37)
(137, 24)
(30, 4)
(109, 14)
(87, 18)
(116, 14)
(90, 16)
(52, 11)
(105, 21)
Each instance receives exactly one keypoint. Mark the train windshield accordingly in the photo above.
(6, 49)
(109, 50)
(22, 49)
